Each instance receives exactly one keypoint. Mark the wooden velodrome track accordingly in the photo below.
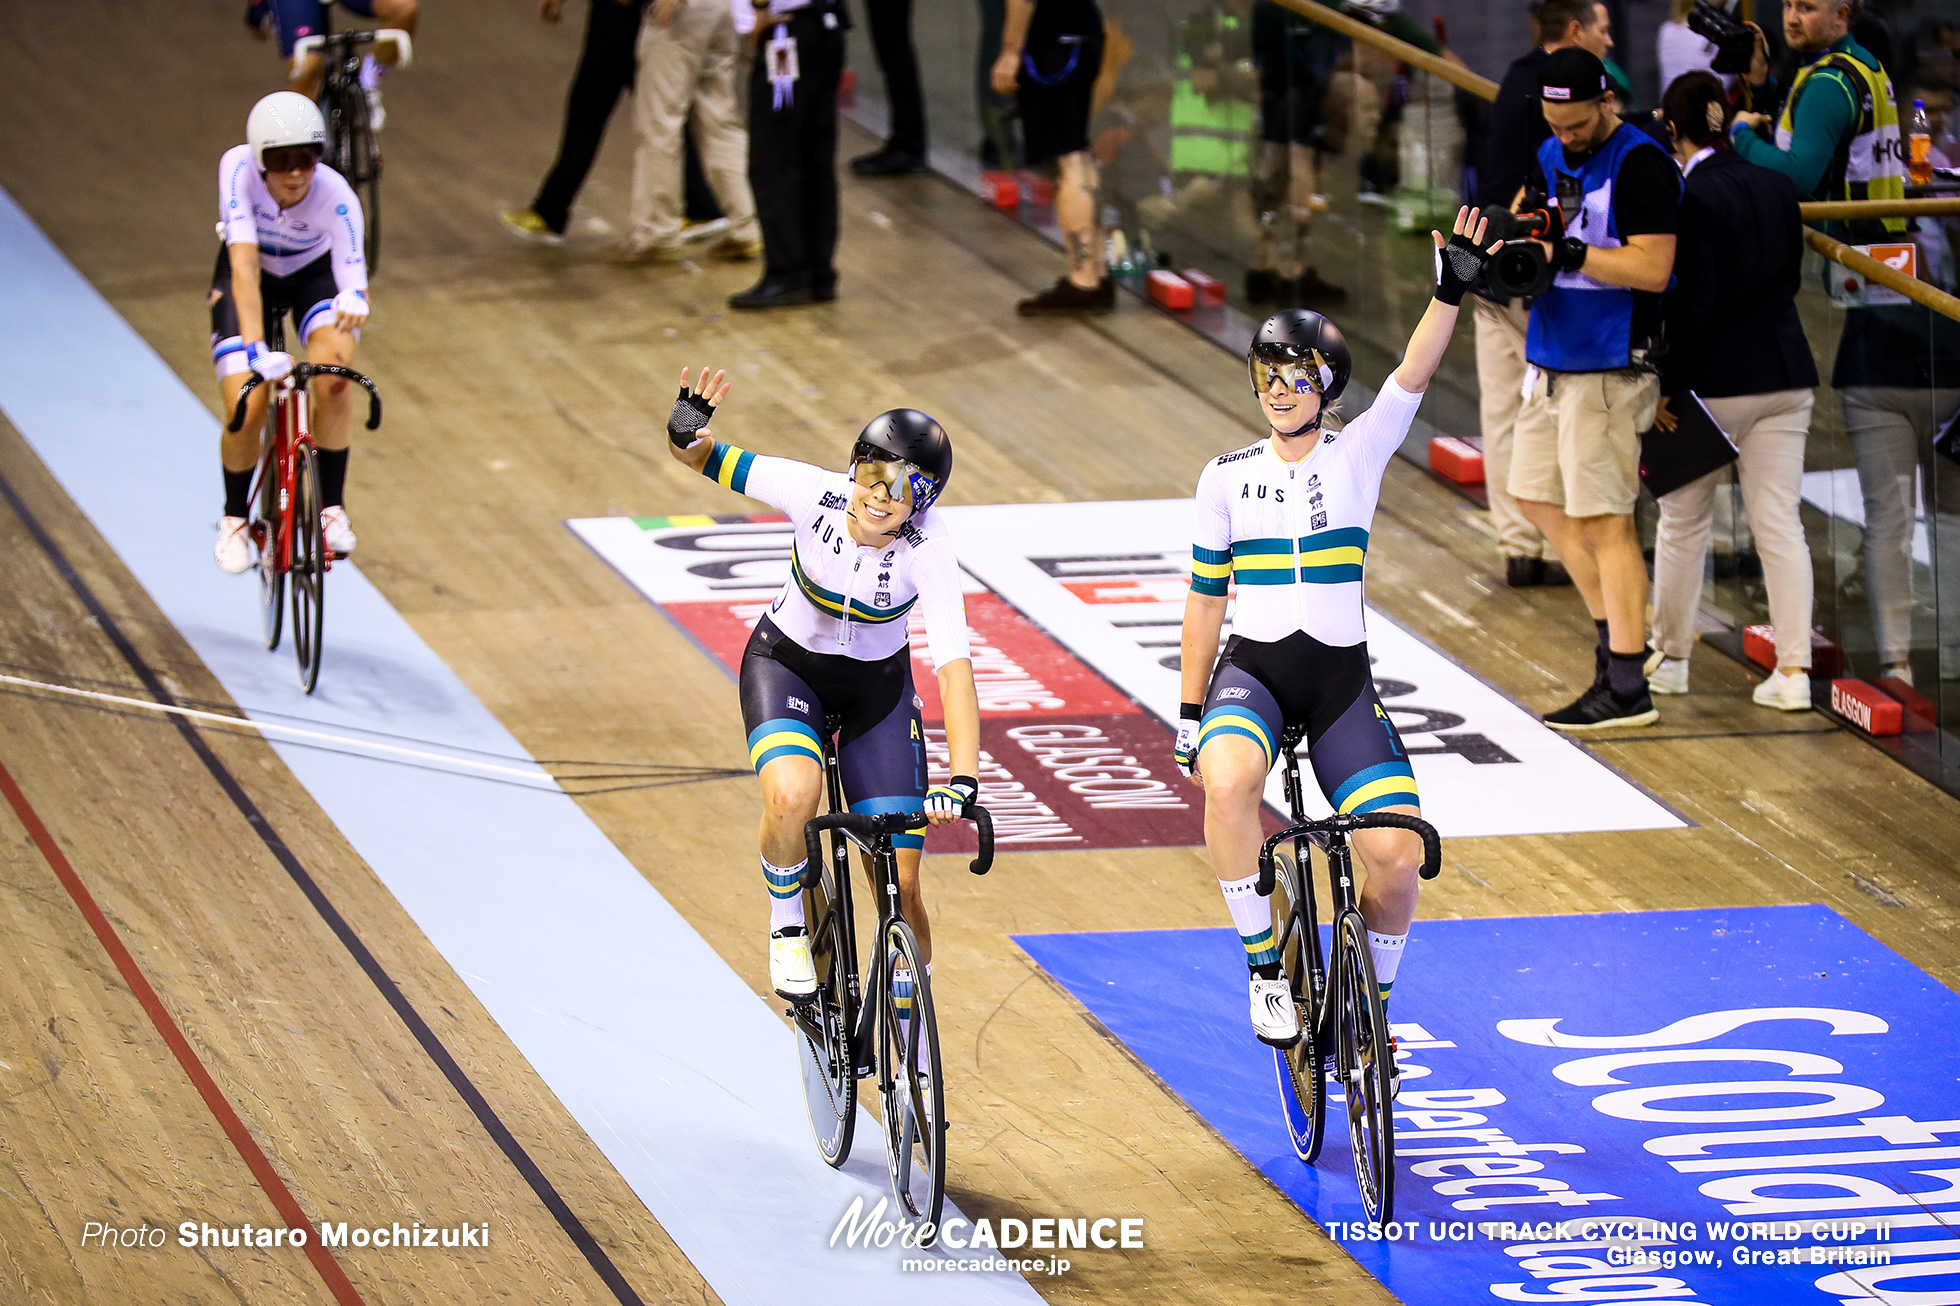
(527, 387)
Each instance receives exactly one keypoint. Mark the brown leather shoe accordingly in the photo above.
(1065, 297)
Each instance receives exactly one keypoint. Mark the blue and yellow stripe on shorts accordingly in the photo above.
(831, 603)
(1237, 719)
(1333, 557)
(1386, 784)
(1263, 562)
(729, 466)
(785, 736)
(1210, 570)
(913, 838)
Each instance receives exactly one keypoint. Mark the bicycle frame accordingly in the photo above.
(288, 425)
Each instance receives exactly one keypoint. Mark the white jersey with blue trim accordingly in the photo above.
(328, 220)
(1293, 537)
(845, 598)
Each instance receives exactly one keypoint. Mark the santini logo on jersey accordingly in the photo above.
(1236, 455)
(830, 500)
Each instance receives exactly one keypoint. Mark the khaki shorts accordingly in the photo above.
(1578, 440)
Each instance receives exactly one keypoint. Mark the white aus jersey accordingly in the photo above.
(842, 597)
(328, 220)
(1293, 537)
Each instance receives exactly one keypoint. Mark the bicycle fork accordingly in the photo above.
(1310, 955)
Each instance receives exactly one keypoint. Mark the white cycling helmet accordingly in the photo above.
(284, 118)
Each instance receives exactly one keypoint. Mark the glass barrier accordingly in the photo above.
(1300, 168)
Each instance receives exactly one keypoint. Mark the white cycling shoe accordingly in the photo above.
(340, 535)
(1273, 1018)
(234, 549)
(791, 971)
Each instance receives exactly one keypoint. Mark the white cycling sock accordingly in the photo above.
(1386, 950)
(785, 893)
(1252, 916)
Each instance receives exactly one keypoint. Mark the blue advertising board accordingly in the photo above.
(1751, 1106)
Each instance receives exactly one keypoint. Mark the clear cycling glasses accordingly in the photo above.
(903, 481)
(1300, 378)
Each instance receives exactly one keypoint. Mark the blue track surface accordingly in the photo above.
(1563, 1031)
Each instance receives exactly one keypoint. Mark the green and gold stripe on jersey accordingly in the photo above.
(1333, 557)
(729, 466)
(831, 603)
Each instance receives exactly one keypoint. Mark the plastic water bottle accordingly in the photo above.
(1919, 146)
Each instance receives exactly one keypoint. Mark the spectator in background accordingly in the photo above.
(1050, 54)
(1679, 48)
(690, 56)
(904, 150)
(1897, 372)
(1517, 128)
(605, 71)
(1591, 345)
(799, 59)
(1286, 48)
(1735, 343)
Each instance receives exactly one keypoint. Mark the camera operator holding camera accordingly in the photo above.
(1517, 128)
(1592, 388)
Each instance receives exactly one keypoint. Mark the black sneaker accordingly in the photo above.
(1599, 708)
(1259, 285)
(1067, 297)
(888, 162)
(1523, 573)
(1309, 288)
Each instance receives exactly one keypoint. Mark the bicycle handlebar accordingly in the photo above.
(870, 825)
(301, 373)
(1432, 846)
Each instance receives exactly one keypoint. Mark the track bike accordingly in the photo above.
(1343, 1024)
(838, 1025)
(352, 148)
(288, 538)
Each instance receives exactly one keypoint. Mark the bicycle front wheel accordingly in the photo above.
(309, 566)
(265, 539)
(909, 1078)
(1301, 1068)
(823, 1031)
(1365, 1057)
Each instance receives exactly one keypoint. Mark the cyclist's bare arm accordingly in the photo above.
(1204, 617)
(961, 705)
(245, 292)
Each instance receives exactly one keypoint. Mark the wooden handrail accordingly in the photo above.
(1827, 210)
(1891, 278)
(1454, 74)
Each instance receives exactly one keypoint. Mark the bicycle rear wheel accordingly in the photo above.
(823, 1034)
(264, 535)
(309, 569)
(909, 1081)
(356, 156)
(1365, 1056)
(1301, 1068)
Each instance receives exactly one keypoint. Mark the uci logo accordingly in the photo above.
(881, 599)
(796, 704)
(1235, 691)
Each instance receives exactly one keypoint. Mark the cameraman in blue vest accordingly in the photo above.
(1591, 385)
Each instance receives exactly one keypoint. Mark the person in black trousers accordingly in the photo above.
(904, 150)
(799, 60)
(605, 72)
(1736, 349)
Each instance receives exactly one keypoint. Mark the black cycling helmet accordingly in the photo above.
(907, 435)
(1302, 336)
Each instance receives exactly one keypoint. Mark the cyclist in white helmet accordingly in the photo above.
(292, 244)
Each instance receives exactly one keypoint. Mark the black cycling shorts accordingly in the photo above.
(1064, 53)
(789, 694)
(307, 295)
(1261, 689)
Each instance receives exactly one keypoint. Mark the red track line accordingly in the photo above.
(207, 1088)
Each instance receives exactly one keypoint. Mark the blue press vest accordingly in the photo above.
(1583, 325)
